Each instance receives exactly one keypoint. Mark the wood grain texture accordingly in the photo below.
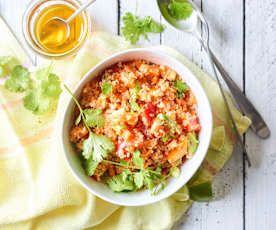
(260, 71)
(226, 41)
(233, 208)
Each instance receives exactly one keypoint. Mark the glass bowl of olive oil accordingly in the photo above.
(51, 39)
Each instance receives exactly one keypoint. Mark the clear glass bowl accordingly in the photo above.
(31, 15)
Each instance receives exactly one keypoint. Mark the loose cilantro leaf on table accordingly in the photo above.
(181, 88)
(5, 62)
(19, 79)
(106, 88)
(35, 101)
(180, 9)
(43, 73)
(39, 92)
(51, 86)
(134, 27)
(94, 117)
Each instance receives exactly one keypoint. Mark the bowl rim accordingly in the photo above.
(161, 54)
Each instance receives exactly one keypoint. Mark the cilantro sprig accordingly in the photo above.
(95, 147)
(39, 92)
(134, 27)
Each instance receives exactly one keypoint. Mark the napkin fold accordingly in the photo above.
(37, 189)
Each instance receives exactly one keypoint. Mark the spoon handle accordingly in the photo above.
(258, 124)
(77, 12)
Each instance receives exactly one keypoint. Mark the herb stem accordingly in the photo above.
(79, 106)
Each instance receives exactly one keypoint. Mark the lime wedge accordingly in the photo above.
(218, 138)
(182, 194)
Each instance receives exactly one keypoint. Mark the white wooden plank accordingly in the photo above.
(261, 89)
(226, 41)
(182, 41)
(144, 8)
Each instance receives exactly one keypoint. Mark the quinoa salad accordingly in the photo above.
(135, 125)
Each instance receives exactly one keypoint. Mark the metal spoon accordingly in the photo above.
(65, 23)
(190, 26)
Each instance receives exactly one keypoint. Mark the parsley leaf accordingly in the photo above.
(97, 147)
(90, 166)
(134, 27)
(19, 79)
(106, 88)
(119, 184)
(181, 87)
(35, 101)
(134, 106)
(172, 124)
(180, 9)
(51, 86)
(94, 117)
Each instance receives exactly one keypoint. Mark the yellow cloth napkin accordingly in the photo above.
(38, 191)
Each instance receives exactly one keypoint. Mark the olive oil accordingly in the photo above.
(52, 35)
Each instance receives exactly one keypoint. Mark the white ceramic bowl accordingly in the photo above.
(187, 169)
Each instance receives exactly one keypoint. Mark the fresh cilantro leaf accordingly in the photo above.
(118, 128)
(94, 117)
(35, 101)
(119, 184)
(123, 162)
(90, 166)
(181, 87)
(139, 179)
(51, 86)
(97, 147)
(106, 88)
(134, 27)
(175, 172)
(137, 160)
(201, 192)
(134, 106)
(172, 124)
(19, 79)
(4, 65)
(180, 9)
(4, 60)
(43, 73)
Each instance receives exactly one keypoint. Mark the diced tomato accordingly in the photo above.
(150, 111)
(194, 125)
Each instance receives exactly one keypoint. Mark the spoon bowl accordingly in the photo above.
(190, 25)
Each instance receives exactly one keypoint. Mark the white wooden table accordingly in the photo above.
(243, 35)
